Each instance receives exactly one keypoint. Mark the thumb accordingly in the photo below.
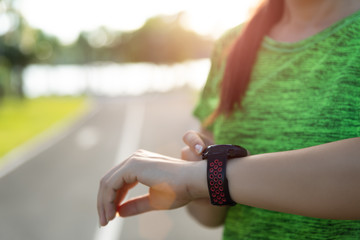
(194, 141)
(135, 206)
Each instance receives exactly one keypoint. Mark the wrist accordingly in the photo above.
(217, 157)
(197, 180)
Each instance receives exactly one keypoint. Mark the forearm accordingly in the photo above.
(321, 181)
(207, 214)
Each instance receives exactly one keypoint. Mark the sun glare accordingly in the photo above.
(66, 18)
(215, 18)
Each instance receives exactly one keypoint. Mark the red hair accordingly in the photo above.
(243, 55)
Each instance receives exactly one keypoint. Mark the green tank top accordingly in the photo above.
(301, 94)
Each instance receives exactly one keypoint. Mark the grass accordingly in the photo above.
(21, 120)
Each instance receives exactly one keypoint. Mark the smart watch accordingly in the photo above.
(217, 156)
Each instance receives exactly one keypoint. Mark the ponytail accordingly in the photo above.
(243, 55)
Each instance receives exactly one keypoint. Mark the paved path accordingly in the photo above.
(53, 195)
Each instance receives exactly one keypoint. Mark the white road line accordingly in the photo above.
(129, 142)
(131, 131)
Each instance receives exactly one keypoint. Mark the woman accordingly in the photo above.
(290, 94)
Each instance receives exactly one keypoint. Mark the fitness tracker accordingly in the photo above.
(217, 156)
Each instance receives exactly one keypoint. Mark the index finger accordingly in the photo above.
(101, 211)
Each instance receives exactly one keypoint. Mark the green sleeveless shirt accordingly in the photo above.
(301, 94)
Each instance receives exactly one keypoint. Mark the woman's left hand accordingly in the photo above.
(172, 183)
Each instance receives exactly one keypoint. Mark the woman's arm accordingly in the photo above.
(321, 181)
(201, 209)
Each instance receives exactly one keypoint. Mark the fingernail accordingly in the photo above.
(198, 148)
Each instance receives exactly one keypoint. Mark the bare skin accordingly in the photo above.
(170, 181)
(316, 181)
(305, 18)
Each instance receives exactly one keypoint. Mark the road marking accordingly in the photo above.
(131, 131)
(129, 143)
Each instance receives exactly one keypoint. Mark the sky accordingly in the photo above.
(66, 18)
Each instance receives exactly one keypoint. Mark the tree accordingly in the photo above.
(13, 57)
(164, 39)
(161, 39)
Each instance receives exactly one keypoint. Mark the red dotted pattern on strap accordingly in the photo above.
(216, 182)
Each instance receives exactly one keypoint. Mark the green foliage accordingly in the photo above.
(161, 39)
(21, 120)
(13, 55)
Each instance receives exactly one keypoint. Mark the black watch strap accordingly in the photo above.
(217, 157)
(217, 181)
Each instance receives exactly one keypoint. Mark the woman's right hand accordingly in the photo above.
(195, 142)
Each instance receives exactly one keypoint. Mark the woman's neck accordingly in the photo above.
(304, 18)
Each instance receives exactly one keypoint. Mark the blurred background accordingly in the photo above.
(83, 84)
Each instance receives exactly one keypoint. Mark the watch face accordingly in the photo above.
(228, 150)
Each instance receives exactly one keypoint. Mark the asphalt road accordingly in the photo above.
(52, 195)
